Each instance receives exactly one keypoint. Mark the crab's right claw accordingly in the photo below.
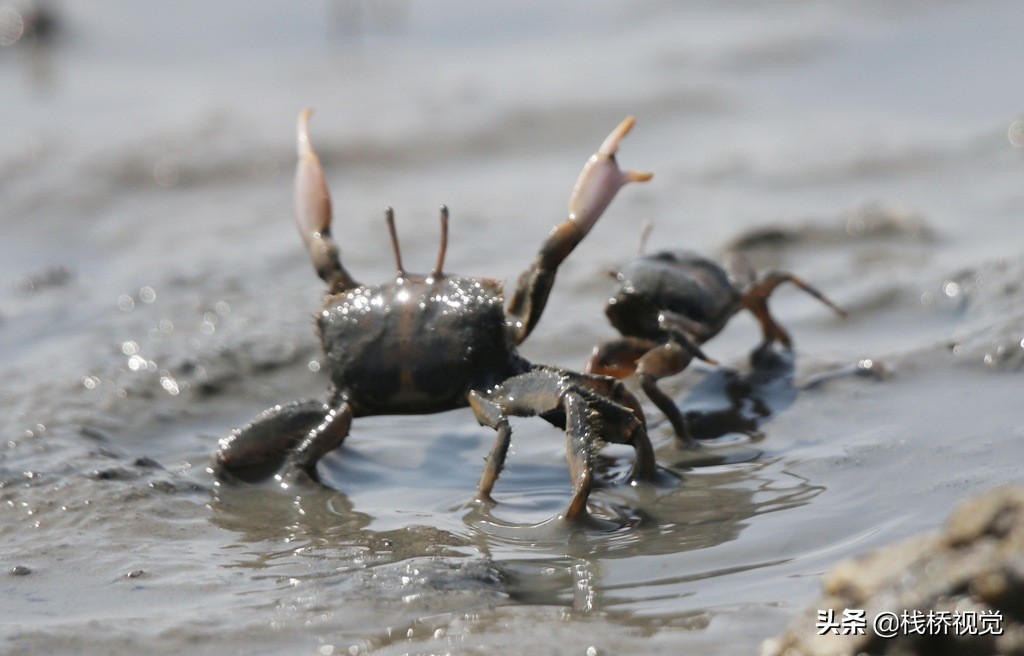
(601, 179)
(312, 198)
(313, 212)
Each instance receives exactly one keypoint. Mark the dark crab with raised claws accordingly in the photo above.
(669, 302)
(429, 343)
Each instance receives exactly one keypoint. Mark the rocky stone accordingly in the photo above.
(957, 592)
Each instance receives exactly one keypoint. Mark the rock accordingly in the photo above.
(959, 592)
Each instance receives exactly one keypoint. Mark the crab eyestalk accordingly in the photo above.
(389, 217)
(313, 212)
(439, 267)
(601, 179)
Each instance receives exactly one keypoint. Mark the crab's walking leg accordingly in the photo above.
(313, 213)
(597, 185)
(609, 387)
(266, 441)
(579, 452)
(756, 300)
(489, 413)
(326, 436)
(589, 417)
(623, 421)
(686, 331)
(652, 362)
(618, 357)
(661, 362)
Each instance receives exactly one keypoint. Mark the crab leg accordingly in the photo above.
(756, 300)
(266, 441)
(597, 185)
(661, 362)
(323, 438)
(313, 213)
(611, 388)
(618, 357)
(490, 413)
(588, 418)
(652, 362)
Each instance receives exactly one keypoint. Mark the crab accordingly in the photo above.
(428, 343)
(670, 302)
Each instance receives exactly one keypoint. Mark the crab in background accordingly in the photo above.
(669, 302)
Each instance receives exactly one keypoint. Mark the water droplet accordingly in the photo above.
(170, 385)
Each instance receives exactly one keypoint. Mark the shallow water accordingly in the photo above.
(154, 295)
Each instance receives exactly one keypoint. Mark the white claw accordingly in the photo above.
(312, 198)
(601, 179)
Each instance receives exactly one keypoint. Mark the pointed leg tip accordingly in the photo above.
(484, 499)
(574, 514)
(689, 443)
(294, 475)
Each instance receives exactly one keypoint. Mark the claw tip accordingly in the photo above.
(611, 144)
(303, 130)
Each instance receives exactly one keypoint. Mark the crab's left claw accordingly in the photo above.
(601, 179)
